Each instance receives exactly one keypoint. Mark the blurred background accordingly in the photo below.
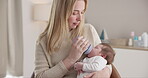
(21, 22)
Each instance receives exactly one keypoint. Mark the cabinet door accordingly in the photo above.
(131, 63)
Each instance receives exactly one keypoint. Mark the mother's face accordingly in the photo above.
(77, 14)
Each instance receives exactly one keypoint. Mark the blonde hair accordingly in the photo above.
(58, 28)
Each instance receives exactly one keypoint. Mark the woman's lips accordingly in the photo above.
(75, 24)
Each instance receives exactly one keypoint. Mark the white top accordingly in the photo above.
(93, 64)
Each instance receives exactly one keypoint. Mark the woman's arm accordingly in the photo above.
(76, 51)
(42, 67)
(42, 60)
(105, 73)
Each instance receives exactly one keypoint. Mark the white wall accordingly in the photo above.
(131, 63)
(118, 17)
(31, 31)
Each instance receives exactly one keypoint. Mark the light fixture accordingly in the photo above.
(41, 12)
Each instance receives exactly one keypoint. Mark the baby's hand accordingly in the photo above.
(79, 72)
(78, 66)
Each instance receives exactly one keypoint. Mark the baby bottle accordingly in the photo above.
(89, 48)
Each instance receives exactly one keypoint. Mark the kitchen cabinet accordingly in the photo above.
(131, 63)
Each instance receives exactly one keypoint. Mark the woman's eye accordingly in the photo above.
(74, 13)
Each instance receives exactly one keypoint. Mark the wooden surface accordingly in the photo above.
(130, 47)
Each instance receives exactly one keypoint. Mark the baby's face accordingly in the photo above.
(95, 51)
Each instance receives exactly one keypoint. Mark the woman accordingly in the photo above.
(55, 51)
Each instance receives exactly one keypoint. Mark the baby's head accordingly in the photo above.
(103, 50)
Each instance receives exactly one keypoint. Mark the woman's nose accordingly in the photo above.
(79, 18)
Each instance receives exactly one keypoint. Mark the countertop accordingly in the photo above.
(130, 47)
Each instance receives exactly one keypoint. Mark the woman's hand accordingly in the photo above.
(78, 47)
(104, 73)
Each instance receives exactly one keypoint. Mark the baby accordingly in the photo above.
(96, 60)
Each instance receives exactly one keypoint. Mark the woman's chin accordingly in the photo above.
(74, 27)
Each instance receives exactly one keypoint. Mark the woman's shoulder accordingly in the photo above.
(89, 27)
(91, 34)
(42, 39)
